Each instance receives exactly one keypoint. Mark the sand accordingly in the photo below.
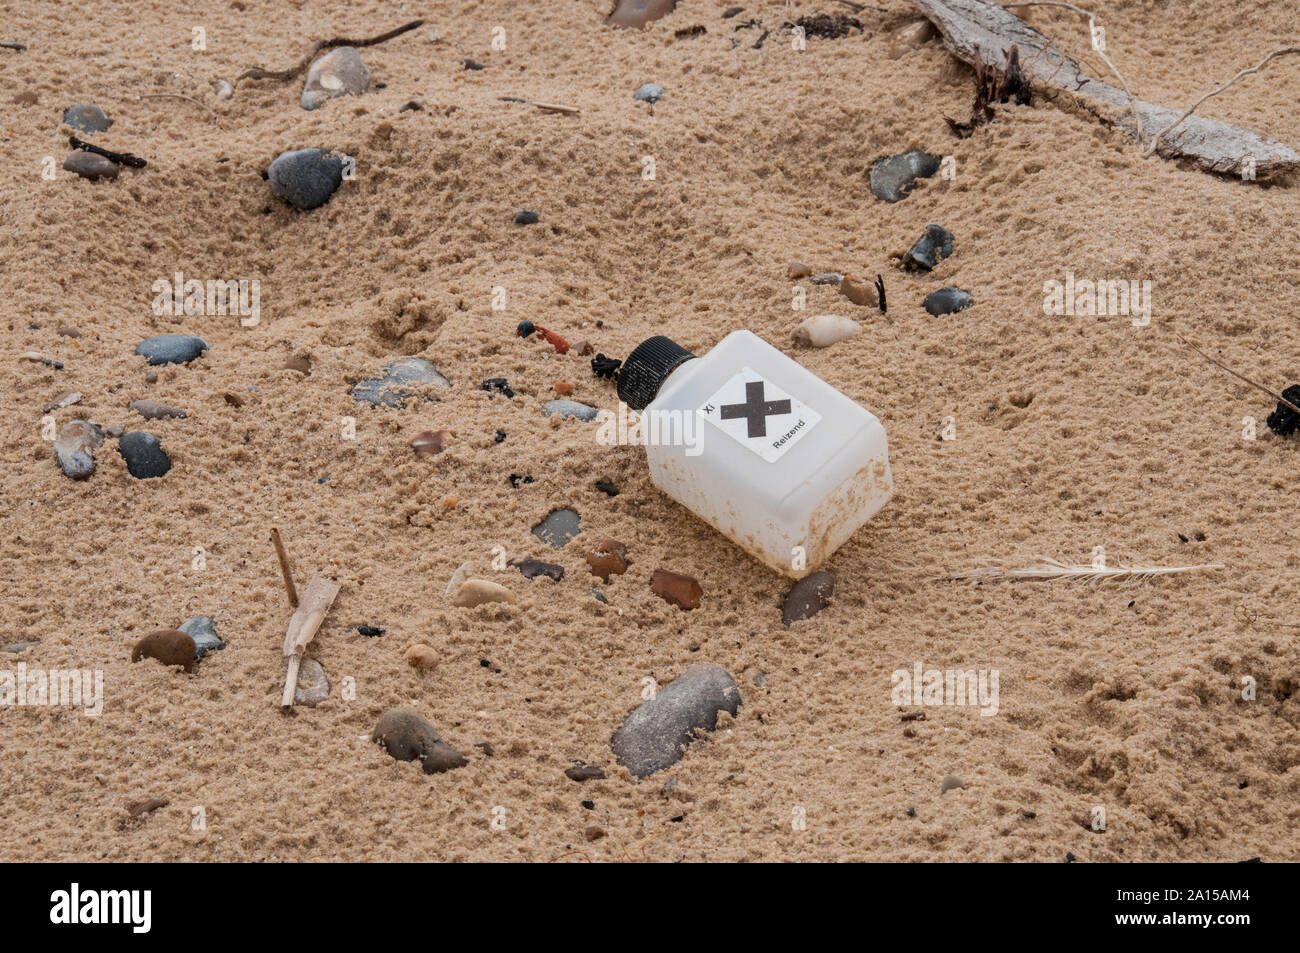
(1123, 697)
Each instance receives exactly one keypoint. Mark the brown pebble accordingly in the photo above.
(583, 348)
(147, 807)
(584, 772)
(799, 270)
(91, 165)
(807, 597)
(299, 361)
(949, 782)
(563, 388)
(429, 443)
(27, 97)
(150, 377)
(408, 737)
(168, 646)
(608, 557)
(860, 292)
(593, 833)
(234, 400)
(635, 14)
(680, 590)
(69, 332)
(420, 657)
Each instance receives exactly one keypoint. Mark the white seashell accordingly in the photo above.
(340, 72)
(459, 576)
(224, 89)
(823, 330)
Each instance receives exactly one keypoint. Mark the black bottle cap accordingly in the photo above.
(647, 367)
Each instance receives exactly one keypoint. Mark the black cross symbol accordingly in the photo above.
(755, 410)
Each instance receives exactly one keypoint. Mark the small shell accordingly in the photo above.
(475, 592)
(823, 330)
(224, 89)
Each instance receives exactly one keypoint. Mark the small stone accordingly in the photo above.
(369, 631)
(680, 590)
(141, 808)
(910, 36)
(807, 597)
(499, 436)
(593, 833)
(608, 557)
(168, 646)
(16, 648)
(892, 177)
(234, 400)
(115, 431)
(650, 93)
(75, 447)
(563, 388)
(654, 735)
(526, 216)
(408, 737)
(420, 657)
(860, 292)
(1284, 421)
(412, 105)
(798, 270)
(730, 12)
(517, 479)
(949, 782)
(558, 527)
(823, 330)
(171, 348)
(583, 349)
(305, 178)
(598, 595)
(827, 278)
(498, 385)
(569, 408)
(144, 455)
(91, 165)
(68, 331)
(472, 65)
(930, 249)
(476, 592)
(635, 14)
(87, 118)
(224, 89)
(584, 772)
(203, 630)
(532, 568)
(313, 686)
(154, 410)
(299, 361)
(402, 379)
(28, 97)
(340, 72)
(429, 443)
(947, 300)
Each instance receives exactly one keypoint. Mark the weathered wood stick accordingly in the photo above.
(284, 567)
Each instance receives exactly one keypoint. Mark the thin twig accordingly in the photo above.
(188, 99)
(284, 567)
(1092, 22)
(1241, 377)
(122, 158)
(284, 75)
(1047, 569)
(556, 108)
(13, 45)
(1214, 92)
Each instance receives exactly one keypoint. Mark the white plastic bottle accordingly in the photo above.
(756, 445)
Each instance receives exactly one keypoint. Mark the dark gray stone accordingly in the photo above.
(144, 455)
(203, 630)
(894, 176)
(87, 118)
(559, 527)
(151, 409)
(401, 379)
(305, 178)
(650, 93)
(408, 737)
(930, 249)
(807, 597)
(653, 736)
(569, 408)
(75, 447)
(171, 348)
(526, 216)
(313, 686)
(947, 300)
(91, 165)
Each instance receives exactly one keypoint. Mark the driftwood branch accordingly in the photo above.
(287, 74)
(975, 29)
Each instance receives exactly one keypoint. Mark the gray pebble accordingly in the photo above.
(808, 596)
(526, 216)
(171, 348)
(408, 737)
(569, 408)
(144, 455)
(400, 380)
(75, 447)
(559, 527)
(930, 249)
(203, 630)
(653, 736)
(892, 177)
(532, 568)
(313, 687)
(947, 300)
(650, 93)
(91, 165)
(87, 118)
(305, 178)
(827, 278)
(340, 72)
(14, 648)
(949, 782)
(67, 400)
(154, 410)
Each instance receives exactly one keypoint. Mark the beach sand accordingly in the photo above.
(1071, 433)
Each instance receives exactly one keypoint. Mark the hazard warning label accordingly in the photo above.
(759, 415)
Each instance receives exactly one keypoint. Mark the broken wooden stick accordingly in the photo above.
(303, 626)
(284, 567)
(13, 45)
(287, 74)
(122, 158)
(974, 29)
